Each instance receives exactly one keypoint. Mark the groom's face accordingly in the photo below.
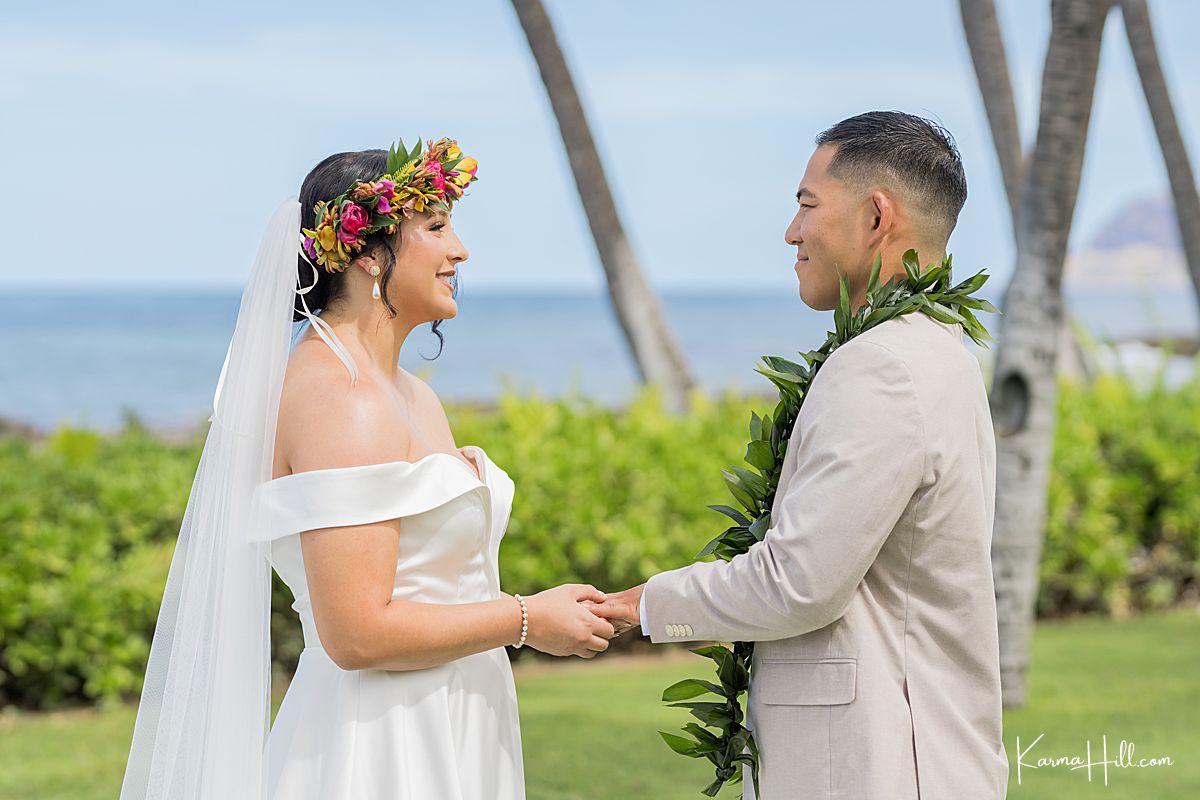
(827, 233)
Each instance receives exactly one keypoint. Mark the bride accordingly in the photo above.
(330, 464)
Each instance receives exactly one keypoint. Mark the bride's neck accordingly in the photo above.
(373, 336)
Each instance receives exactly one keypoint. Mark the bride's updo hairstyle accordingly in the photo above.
(328, 179)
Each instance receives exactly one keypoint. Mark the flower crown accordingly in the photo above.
(413, 180)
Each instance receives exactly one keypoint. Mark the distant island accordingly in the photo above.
(1138, 249)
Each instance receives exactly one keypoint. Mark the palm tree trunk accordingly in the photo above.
(1025, 387)
(1170, 140)
(655, 351)
(986, 44)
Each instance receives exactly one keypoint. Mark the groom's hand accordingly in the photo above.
(621, 609)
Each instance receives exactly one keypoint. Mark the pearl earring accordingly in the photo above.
(375, 290)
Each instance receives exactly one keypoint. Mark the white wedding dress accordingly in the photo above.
(450, 732)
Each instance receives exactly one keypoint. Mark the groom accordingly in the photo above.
(876, 674)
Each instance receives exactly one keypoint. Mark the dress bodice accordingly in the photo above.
(452, 522)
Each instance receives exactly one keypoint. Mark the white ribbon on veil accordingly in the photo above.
(205, 707)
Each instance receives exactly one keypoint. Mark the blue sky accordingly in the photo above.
(146, 145)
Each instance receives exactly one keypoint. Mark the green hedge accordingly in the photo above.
(87, 528)
(87, 523)
(1123, 532)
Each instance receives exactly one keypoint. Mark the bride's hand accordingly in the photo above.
(561, 624)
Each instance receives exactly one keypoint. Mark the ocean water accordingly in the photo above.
(86, 358)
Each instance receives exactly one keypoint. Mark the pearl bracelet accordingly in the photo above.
(524, 620)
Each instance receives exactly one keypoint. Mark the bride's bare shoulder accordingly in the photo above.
(324, 422)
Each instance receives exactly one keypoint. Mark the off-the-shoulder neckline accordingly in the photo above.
(480, 478)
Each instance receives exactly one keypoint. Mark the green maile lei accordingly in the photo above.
(719, 734)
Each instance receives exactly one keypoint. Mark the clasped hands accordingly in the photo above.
(577, 619)
(621, 609)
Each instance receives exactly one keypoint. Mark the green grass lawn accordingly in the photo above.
(589, 728)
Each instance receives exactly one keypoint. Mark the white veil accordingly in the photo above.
(205, 707)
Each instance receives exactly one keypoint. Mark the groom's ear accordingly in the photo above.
(883, 211)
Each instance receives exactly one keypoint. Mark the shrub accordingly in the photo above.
(88, 523)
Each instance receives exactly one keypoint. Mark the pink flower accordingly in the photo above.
(389, 188)
(310, 247)
(437, 178)
(354, 219)
(382, 206)
(347, 237)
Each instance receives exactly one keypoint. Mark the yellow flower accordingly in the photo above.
(466, 170)
(327, 238)
(452, 152)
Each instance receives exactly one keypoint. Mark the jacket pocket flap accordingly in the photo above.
(805, 682)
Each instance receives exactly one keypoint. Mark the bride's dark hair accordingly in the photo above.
(327, 180)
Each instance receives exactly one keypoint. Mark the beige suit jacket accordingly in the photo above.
(877, 673)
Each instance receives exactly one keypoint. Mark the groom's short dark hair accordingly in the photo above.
(910, 153)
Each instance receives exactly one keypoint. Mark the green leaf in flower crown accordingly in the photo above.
(400, 155)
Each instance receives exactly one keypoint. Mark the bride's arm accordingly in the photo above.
(361, 627)
(350, 572)
(351, 569)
